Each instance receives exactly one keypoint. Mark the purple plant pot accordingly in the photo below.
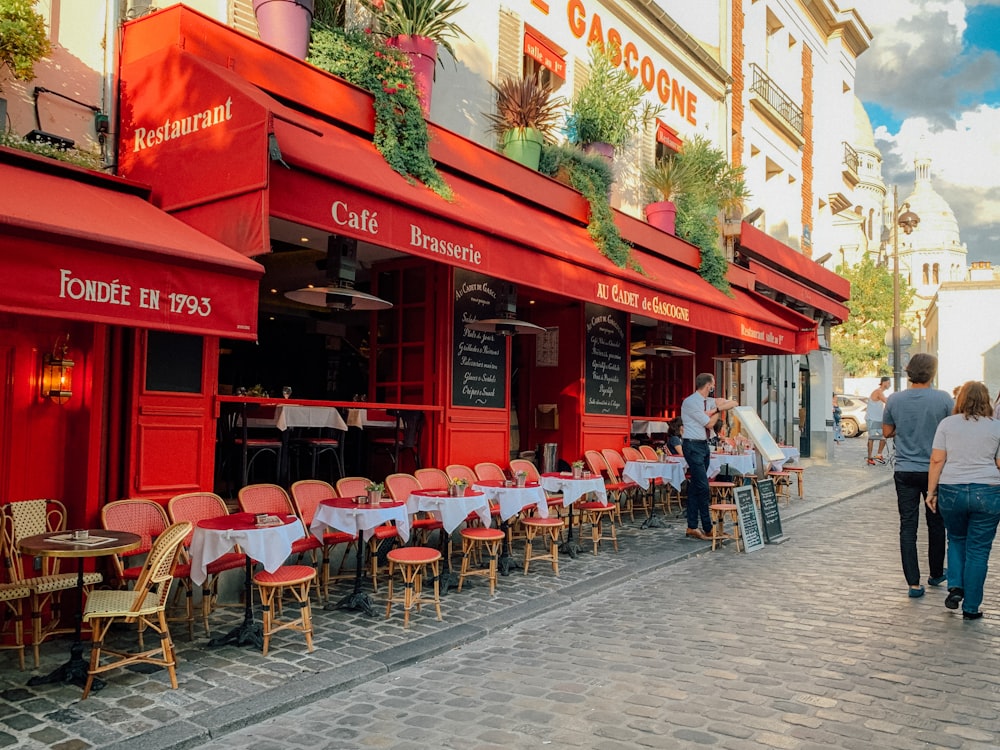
(285, 24)
(423, 57)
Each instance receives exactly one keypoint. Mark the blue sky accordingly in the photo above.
(931, 81)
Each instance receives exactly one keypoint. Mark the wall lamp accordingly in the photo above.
(57, 372)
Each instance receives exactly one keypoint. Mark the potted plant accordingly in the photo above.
(418, 28)
(521, 478)
(591, 175)
(458, 486)
(577, 469)
(401, 136)
(610, 107)
(23, 41)
(285, 24)
(375, 490)
(712, 186)
(666, 180)
(525, 117)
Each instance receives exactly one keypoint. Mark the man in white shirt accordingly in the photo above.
(699, 413)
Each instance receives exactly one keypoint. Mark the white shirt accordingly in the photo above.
(693, 415)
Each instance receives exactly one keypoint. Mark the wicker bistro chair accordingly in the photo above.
(145, 605)
(618, 491)
(486, 470)
(148, 519)
(12, 597)
(432, 479)
(24, 518)
(307, 495)
(273, 500)
(195, 507)
(616, 465)
(384, 534)
(399, 487)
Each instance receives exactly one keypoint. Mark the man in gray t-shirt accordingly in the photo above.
(911, 417)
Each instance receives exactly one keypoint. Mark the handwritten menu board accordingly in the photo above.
(769, 511)
(753, 538)
(606, 360)
(478, 359)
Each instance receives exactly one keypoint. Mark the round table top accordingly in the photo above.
(243, 522)
(349, 502)
(60, 544)
(502, 484)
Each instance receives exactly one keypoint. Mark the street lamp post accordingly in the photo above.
(907, 221)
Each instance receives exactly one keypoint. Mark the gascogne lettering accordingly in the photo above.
(182, 126)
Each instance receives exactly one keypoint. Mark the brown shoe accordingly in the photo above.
(696, 534)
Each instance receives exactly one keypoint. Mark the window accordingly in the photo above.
(937, 279)
(925, 274)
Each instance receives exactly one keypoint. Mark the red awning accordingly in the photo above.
(771, 252)
(789, 287)
(668, 136)
(544, 51)
(89, 247)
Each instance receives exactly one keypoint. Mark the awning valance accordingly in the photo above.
(89, 247)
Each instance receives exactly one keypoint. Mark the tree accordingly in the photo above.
(23, 39)
(859, 343)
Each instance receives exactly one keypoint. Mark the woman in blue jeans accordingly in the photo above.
(963, 483)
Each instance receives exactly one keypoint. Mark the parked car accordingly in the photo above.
(852, 415)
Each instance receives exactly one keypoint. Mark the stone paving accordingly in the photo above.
(745, 613)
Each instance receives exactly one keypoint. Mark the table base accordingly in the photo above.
(248, 633)
(354, 601)
(73, 672)
(654, 522)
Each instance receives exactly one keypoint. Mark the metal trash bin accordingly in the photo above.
(550, 457)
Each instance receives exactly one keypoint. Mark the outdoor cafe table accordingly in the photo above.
(358, 519)
(512, 500)
(270, 544)
(450, 511)
(573, 489)
(99, 543)
(669, 470)
(744, 463)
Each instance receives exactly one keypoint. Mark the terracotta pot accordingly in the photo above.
(285, 24)
(423, 57)
(604, 150)
(662, 215)
(523, 145)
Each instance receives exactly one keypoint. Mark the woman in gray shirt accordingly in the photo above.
(964, 484)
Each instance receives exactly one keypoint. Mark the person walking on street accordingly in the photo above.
(873, 416)
(911, 418)
(838, 435)
(963, 484)
(699, 413)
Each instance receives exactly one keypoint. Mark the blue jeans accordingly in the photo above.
(911, 489)
(971, 513)
(698, 457)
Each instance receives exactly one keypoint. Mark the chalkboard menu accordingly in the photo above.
(606, 360)
(753, 538)
(478, 358)
(769, 511)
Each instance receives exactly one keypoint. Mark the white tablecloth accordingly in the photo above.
(641, 472)
(270, 545)
(744, 463)
(308, 416)
(649, 428)
(450, 511)
(359, 418)
(573, 489)
(354, 518)
(512, 499)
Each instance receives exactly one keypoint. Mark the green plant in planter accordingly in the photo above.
(591, 175)
(23, 39)
(712, 185)
(607, 108)
(526, 112)
(401, 136)
(427, 18)
(666, 179)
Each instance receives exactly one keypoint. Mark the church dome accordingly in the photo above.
(864, 136)
(938, 227)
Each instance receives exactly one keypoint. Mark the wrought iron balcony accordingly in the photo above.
(851, 160)
(776, 99)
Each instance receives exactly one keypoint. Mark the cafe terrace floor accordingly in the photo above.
(222, 689)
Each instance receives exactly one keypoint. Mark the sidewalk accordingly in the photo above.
(228, 688)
